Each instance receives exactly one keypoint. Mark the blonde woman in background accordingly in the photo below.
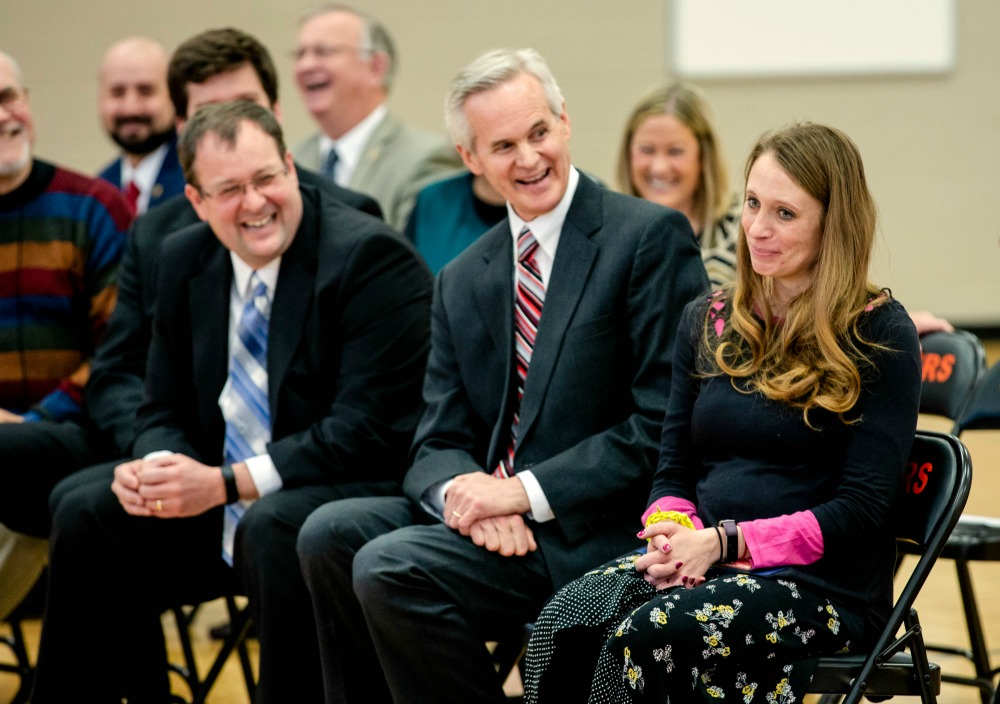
(670, 155)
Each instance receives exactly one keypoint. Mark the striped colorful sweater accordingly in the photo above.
(61, 236)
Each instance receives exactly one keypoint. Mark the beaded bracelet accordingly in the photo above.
(677, 517)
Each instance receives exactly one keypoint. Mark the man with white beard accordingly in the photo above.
(61, 236)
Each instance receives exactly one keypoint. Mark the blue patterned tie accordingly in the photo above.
(244, 401)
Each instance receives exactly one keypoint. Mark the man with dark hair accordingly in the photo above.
(344, 65)
(217, 52)
(136, 112)
(225, 64)
(288, 344)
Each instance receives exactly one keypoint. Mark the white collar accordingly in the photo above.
(547, 227)
(352, 144)
(243, 271)
(145, 173)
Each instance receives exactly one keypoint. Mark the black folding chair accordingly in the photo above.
(952, 364)
(21, 666)
(975, 538)
(936, 487)
(239, 626)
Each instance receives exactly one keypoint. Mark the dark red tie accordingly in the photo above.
(132, 196)
(527, 312)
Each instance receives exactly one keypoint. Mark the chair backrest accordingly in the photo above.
(982, 412)
(952, 364)
(935, 487)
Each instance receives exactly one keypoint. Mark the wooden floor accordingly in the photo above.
(938, 605)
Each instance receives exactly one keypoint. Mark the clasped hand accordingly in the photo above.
(488, 510)
(677, 556)
(168, 486)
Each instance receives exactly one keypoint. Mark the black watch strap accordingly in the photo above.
(229, 479)
(732, 539)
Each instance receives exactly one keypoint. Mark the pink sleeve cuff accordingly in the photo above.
(672, 503)
(795, 539)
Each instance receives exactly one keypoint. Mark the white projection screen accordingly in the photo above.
(763, 38)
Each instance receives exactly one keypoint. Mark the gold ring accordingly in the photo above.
(159, 505)
(456, 514)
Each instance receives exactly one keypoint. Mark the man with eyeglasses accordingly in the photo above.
(62, 235)
(288, 346)
(344, 65)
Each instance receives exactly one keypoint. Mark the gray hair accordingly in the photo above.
(487, 72)
(15, 66)
(375, 38)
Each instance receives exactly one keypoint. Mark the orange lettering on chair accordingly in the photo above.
(937, 368)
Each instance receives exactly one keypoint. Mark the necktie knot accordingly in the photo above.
(261, 301)
(526, 245)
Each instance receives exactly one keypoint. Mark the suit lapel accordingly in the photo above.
(570, 274)
(209, 305)
(364, 173)
(292, 302)
(493, 290)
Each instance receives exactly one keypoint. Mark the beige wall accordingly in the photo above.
(931, 143)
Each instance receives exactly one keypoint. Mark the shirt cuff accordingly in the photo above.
(264, 474)
(541, 511)
(795, 539)
(433, 499)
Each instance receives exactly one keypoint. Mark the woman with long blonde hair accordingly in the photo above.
(792, 410)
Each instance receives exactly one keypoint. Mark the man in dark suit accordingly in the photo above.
(218, 65)
(211, 67)
(137, 114)
(546, 387)
(288, 344)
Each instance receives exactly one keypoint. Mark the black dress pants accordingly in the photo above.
(111, 575)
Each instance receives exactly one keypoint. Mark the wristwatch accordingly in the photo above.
(229, 479)
(732, 539)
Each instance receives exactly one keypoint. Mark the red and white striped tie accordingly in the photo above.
(527, 312)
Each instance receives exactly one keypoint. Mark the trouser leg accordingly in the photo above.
(431, 599)
(327, 544)
(110, 576)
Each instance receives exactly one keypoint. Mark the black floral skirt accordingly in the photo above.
(609, 637)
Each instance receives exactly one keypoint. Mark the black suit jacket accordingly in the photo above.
(114, 389)
(348, 339)
(597, 388)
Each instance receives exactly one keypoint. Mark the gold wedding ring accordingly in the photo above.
(456, 514)
(159, 505)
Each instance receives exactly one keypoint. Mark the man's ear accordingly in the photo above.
(380, 65)
(470, 159)
(197, 202)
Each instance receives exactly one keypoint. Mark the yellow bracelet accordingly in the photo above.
(675, 516)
